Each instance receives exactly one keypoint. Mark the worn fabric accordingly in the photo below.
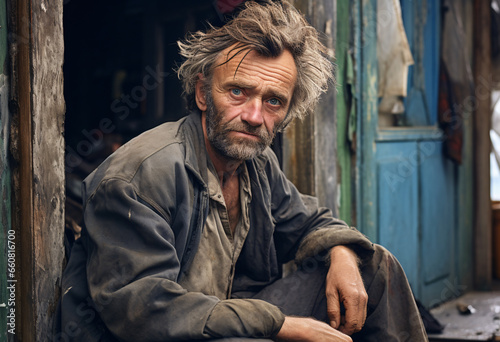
(394, 58)
(392, 314)
(393, 51)
(145, 209)
(212, 270)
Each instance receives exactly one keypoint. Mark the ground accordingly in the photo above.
(481, 325)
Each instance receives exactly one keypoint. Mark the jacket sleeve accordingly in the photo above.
(132, 269)
(303, 229)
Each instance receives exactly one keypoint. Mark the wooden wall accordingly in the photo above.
(309, 146)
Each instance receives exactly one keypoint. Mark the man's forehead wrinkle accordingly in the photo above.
(272, 73)
(238, 49)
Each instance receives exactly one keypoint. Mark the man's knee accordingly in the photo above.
(382, 261)
(384, 273)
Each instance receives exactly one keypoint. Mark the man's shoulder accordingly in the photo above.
(158, 149)
(164, 141)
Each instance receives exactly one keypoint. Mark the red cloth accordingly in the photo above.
(450, 117)
(227, 6)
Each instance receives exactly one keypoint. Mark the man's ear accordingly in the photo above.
(200, 95)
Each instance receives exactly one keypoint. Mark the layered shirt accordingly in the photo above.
(212, 270)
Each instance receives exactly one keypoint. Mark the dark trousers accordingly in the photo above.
(392, 312)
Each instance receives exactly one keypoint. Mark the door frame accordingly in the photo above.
(36, 51)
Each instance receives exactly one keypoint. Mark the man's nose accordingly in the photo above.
(252, 113)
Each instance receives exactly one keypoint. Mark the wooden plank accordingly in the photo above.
(4, 307)
(365, 17)
(309, 146)
(5, 177)
(422, 21)
(343, 149)
(410, 134)
(438, 220)
(465, 186)
(298, 155)
(298, 142)
(24, 222)
(482, 124)
(398, 221)
(325, 119)
(47, 114)
(38, 147)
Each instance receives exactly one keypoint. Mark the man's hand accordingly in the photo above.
(309, 330)
(345, 285)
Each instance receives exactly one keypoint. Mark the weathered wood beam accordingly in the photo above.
(298, 140)
(482, 125)
(22, 74)
(309, 146)
(47, 111)
(37, 52)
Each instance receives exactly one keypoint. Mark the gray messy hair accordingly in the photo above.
(267, 28)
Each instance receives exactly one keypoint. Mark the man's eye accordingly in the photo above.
(236, 91)
(274, 102)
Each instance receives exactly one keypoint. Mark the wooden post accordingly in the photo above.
(6, 245)
(482, 125)
(37, 51)
(344, 154)
(23, 177)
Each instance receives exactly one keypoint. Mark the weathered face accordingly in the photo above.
(249, 99)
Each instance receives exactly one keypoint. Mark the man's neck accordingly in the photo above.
(226, 168)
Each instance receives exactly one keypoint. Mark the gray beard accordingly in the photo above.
(231, 148)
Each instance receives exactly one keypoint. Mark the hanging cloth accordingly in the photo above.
(456, 85)
(394, 56)
(450, 119)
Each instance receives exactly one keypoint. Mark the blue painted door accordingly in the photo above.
(416, 215)
(407, 187)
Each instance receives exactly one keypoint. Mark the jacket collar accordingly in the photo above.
(196, 151)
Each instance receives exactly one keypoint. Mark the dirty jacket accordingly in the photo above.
(144, 212)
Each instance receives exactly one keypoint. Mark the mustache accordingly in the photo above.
(244, 127)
